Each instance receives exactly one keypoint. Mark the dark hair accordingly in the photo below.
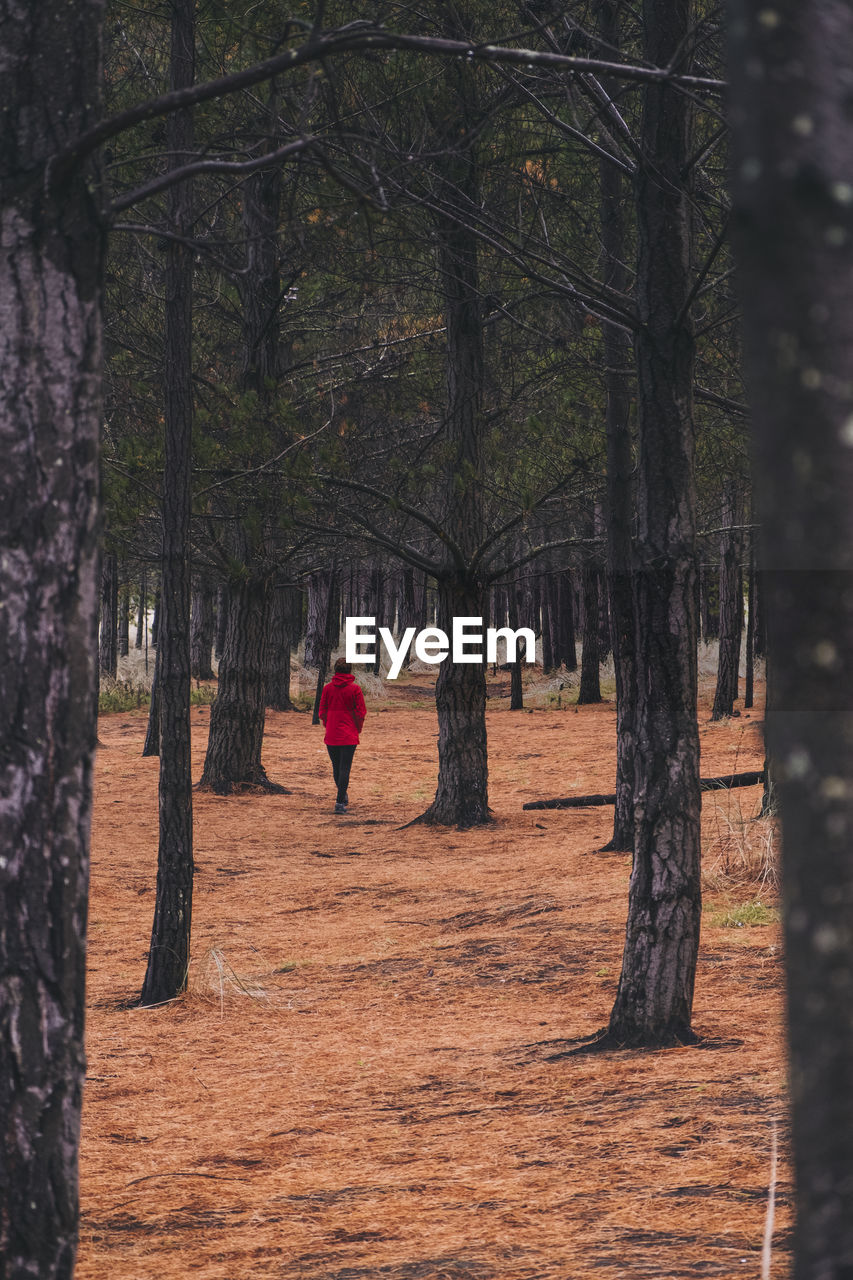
(341, 664)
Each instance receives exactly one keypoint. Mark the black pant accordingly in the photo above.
(341, 758)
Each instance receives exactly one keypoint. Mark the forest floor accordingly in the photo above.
(368, 1075)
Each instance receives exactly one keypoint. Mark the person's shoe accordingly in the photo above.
(340, 808)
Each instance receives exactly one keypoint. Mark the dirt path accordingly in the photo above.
(367, 1077)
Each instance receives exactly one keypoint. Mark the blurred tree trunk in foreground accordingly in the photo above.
(793, 160)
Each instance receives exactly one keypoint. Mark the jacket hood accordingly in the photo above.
(341, 678)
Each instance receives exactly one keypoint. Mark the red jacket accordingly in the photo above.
(342, 710)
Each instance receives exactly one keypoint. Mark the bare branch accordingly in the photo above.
(355, 37)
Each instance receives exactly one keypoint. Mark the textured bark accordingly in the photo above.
(155, 619)
(619, 486)
(590, 686)
(260, 284)
(604, 629)
(329, 638)
(124, 619)
(731, 612)
(760, 640)
(794, 237)
(151, 745)
(108, 639)
(709, 585)
(221, 620)
(546, 628)
(654, 1000)
(202, 631)
(516, 691)
(236, 731)
(749, 687)
(319, 586)
(142, 613)
(380, 609)
(169, 952)
(567, 622)
(285, 607)
(51, 260)
(237, 717)
(461, 797)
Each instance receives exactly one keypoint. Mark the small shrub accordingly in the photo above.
(202, 695)
(121, 695)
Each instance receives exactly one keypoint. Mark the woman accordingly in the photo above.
(342, 711)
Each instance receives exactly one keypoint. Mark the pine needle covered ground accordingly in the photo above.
(367, 1077)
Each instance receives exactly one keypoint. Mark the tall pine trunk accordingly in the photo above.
(169, 953)
(461, 796)
(51, 265)
(619, 487)
(237, 717)
(655, 995)
(282, 628)
(108, 641)
(202, 631)
(793, 157)
(731, 611)
(590, 686)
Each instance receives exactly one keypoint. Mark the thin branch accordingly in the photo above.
(264, 466)
(399, 505)
(241, 167)
(511, 565)
(711, 397)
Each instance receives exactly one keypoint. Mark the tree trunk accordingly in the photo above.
(330, 635)
(108, 643)
(221, 620)
(655, 996)
(749, 689)
(379, 609)
(710, 590)
(567, 621)
(124, 619)
(142, 612)
(155, 620)
(233, 758)
(282, 628)
(461, 797)
(202, 631)
(548, 663)
(760, 619)
(319, 586)
(731, 612)
(51, 264)
(169, 952)
(794, 236)
(151, 745)
(516, 689)
(590, 688)
(619, 486)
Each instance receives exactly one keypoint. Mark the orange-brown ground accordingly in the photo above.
(367, 1077)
